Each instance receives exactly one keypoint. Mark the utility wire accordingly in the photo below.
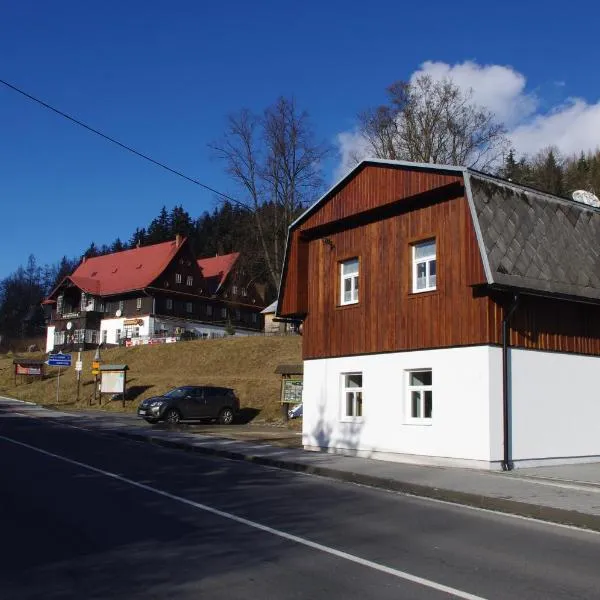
(121, 144)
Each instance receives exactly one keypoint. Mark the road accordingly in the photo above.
(89, 515)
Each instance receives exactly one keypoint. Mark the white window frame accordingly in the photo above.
(138, 304)
(420, 390)
(79, 336)
(59, 304)
(104, 336)
(234, 289)
(121, 305)
(353, 278)
(427, 261)
(177, 277)
(189, 280)
(223, 312)
(355, 391)
(244, 291)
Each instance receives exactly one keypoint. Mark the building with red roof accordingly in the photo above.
(153, 293)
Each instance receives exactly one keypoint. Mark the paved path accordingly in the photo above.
(87, 514)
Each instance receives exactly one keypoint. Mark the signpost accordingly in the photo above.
(59, 360)
(78, 368)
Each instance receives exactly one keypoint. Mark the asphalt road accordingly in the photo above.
(87, 515)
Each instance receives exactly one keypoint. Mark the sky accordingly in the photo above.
(162, 77)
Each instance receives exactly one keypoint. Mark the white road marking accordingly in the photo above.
(277, 532)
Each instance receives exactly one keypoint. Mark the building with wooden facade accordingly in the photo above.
(449, 317)
(151, 294)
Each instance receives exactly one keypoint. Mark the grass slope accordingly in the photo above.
(246, 364)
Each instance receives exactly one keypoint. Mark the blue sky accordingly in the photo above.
(162, 77)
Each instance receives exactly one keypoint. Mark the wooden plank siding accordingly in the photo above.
(376, 216)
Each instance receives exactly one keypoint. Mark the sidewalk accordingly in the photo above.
(569, 495)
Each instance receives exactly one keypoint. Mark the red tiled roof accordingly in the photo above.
(217, 268)
(124, 271)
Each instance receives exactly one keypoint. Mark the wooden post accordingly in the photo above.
(124, 386)
(58, 386)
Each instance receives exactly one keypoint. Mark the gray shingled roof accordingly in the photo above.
(535, 241)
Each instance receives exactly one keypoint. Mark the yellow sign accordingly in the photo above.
(95, 365)
(95, 371)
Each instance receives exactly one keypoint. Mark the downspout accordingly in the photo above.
(507, 464)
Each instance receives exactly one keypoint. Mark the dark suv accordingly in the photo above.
(191, 402)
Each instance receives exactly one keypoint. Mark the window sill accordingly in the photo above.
(419, 422)
(352, 420)
(347, 306)
(424, 293)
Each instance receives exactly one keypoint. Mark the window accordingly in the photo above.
(234, 289)
(79, 336)
(244, 292)
(121, 305)
(109, 307)
(189, 280)
(104, 336)
(254, 318)
(83, 302)
(117, 335)
(189, 307)
(424, 267)
(209, 310)
(177, 277)
(224, 313)
(91, 336)
(238, 314)
(352, 404)
(138, 304)
(420, 396)
(349, 281)
(59, 305)
(100, 305)
(59, 338)
(169, 304)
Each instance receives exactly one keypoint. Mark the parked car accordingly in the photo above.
(191, 402)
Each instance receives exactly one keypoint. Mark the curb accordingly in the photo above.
(515, 507)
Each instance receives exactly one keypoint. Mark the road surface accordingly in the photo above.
(88, 515)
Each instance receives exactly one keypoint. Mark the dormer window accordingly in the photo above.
(177, 277)
(234, 289)
(59, 304)
(190, 280)
(83, 303)
(244, 292)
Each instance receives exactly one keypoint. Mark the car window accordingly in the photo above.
(177, 393)
(198, 393)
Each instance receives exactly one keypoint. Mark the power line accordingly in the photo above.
(121, 144)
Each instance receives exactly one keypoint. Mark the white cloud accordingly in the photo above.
(498, 88)
(571, 126)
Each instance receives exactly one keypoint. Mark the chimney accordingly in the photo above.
(177, 240)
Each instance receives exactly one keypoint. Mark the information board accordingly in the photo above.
(291, 391)
(113, 382)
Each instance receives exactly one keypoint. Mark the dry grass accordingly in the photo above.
(245, 364)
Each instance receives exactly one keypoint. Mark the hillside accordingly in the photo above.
(246, 364)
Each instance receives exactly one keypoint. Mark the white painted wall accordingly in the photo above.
(555, 401)
(112, 325)
(50, 338)
(461, 428)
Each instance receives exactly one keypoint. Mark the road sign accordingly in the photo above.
(79, 365)
(95, 371)
(95, 365)
(59, 360)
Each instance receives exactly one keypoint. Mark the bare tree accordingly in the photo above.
(433, 122)
(276, 164)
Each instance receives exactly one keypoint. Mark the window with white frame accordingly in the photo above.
(349, 281)
(189, 307)
(169, 304)
(224, 313)
(104, 336)
(352, 398)
(424, 266)
(59, 338)
(121, 305)
(177, 277)
(234, 289)
(83, 302)
(79, 336)
(138, 304)
(189, 280)
(244, 291)
(59, 304)
(420, 396)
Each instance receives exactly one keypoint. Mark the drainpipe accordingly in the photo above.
(507, 464)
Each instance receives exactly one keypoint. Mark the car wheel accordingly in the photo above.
(172, 416)
(151, 421)
(226, 416)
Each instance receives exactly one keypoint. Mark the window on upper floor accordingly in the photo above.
(209, 310)
(238, 314)
(234, 289)
(169, 304)
(177, 277)
(59, 305)
(254, 318)
(189, 307)
(420, 396)
(121, 305)
(349, 281)
(244, 291)
(424, 267)
(224, 312)
(138, 304)
(352, 398)
(189, 280)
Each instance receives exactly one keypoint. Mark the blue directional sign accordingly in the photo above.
(59, 360)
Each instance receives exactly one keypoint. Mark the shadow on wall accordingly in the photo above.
(338, 437)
